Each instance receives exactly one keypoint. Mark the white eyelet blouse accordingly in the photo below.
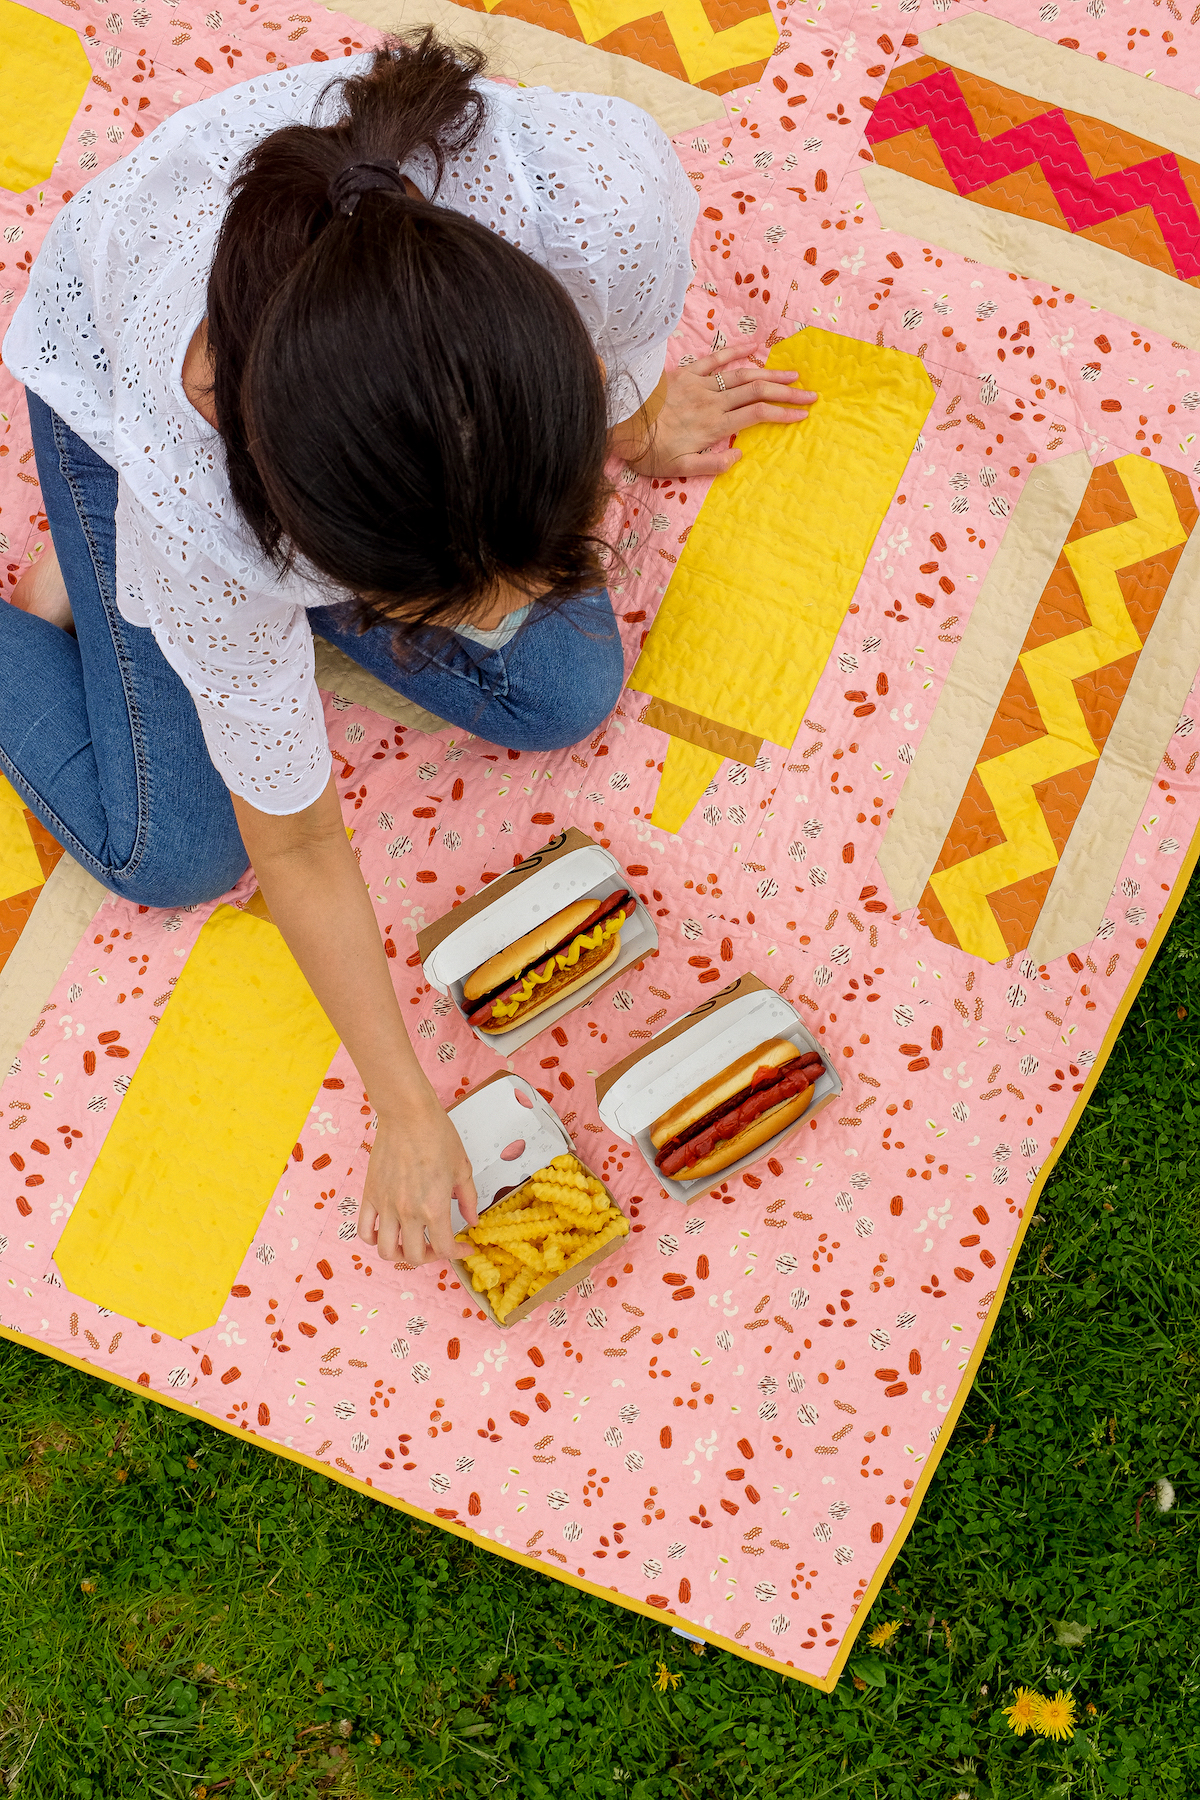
(588, 186)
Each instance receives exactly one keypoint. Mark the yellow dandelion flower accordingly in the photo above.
(664, 1679)
(882, 1635)
(1025, 1711)
(1056, 1718)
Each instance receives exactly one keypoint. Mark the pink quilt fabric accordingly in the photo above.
(740, 1454)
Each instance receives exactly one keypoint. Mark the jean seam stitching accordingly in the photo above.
(66, 838)
(494, 692)
(111, 612)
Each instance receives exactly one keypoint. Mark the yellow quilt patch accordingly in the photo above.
(759, 595)
(45, 74)
(20, 869)
(195, 1152)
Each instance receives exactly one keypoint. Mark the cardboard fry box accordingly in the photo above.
(509, 1133)
(572, 866)
(683, 1056)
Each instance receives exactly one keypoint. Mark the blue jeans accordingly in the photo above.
(101, 738)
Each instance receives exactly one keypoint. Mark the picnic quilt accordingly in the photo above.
(909, 733)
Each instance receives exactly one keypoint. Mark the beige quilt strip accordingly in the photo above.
(991, 643)
(541, 58)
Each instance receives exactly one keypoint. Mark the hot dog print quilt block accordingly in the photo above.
(906, 737)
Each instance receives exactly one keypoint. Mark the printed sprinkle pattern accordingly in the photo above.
(728, 1424)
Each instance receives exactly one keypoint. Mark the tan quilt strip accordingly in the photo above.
(1058, 709)
(1158, 689)
(715, 44)
(1135, 291)
(991, 643)
(993, 110)
(337, 673)
(1003, 53)
(706, 734)
(542, 57)
(58, 919)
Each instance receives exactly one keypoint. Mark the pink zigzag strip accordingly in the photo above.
(972, 162)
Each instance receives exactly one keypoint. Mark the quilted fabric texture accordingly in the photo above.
(177, 1194)
(45, 76)
(1009, 151)
(1058, 709)
(804, 515)
(719, 45)
(733, 1423)
(27, 855)
(1052, 148)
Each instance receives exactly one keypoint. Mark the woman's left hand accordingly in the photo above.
(707, 402)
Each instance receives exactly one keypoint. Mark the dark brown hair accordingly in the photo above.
(410, 406)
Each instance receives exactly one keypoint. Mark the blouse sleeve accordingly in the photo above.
(615, 214)
(246, 659)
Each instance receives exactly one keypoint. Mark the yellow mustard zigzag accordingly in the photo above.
(1051, 670)
(702, 51)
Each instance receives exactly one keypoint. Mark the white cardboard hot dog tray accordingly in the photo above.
(682, 1057)
(501, 1114)
(570, 867)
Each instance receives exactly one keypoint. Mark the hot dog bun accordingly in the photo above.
(564, 982)
(733, 1149)
(506, 965)
(776, 1053)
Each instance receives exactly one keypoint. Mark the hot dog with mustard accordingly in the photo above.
(577, 943)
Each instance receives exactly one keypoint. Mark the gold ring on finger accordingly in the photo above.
(720, 381)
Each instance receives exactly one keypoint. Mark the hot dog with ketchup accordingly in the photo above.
(577, 943)
(736, 1111)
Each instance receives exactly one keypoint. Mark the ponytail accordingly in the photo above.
(407, 402)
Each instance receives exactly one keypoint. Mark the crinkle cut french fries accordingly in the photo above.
(551, 1222)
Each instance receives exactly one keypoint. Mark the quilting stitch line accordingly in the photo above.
(973, 162)
(1011, 779)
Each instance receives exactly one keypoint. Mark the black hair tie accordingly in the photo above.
(351, 183)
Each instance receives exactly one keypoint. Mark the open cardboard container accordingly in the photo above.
(683, 1056)
(571, 867)
(503, 1113)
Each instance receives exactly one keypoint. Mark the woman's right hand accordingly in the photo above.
(707, 403)
(417, 1164)
(315, 891)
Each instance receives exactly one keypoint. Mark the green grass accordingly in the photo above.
(180, 1611)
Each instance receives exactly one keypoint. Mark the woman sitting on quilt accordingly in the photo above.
(349, 358)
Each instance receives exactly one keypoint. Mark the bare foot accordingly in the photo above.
(43, 592)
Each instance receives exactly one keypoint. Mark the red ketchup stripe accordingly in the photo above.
(741, 1113)
(762, 1078)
